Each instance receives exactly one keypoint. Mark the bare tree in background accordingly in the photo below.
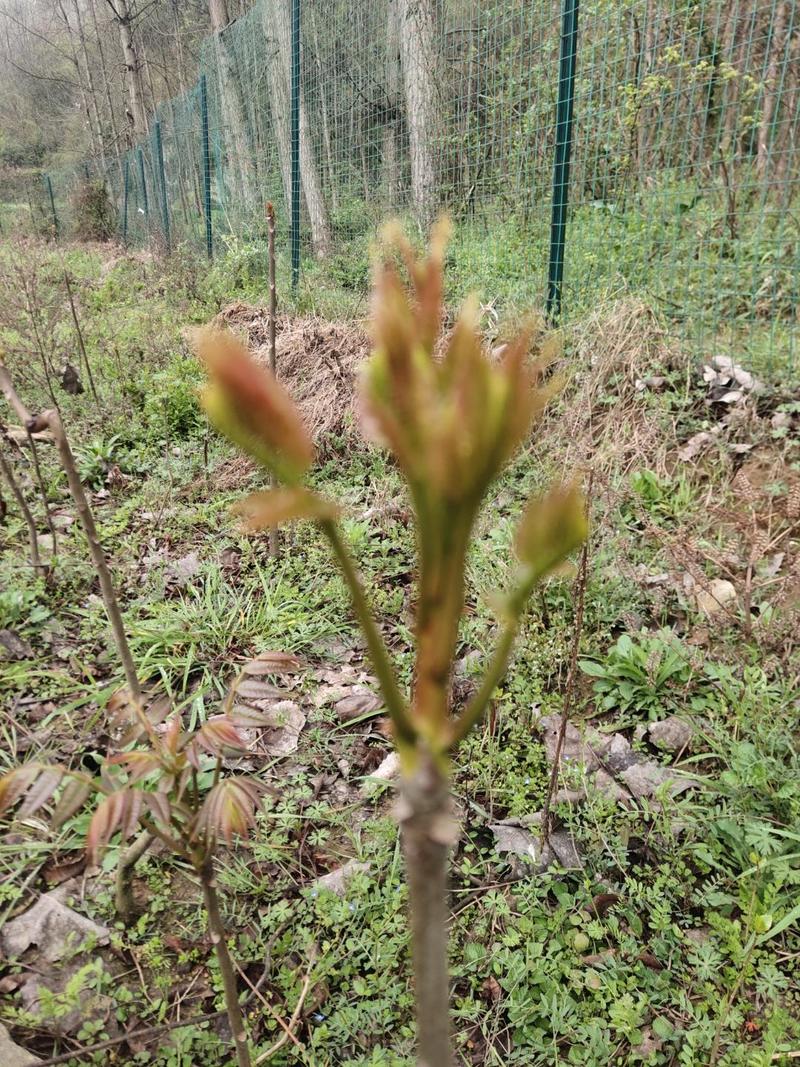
(420, 63)
(277, 28)
(234, 114)
(124, 16)
(390, 161)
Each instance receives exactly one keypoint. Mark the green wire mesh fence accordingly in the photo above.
(683, 188)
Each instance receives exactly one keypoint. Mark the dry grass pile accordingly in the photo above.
(614, 357)
(317, 362)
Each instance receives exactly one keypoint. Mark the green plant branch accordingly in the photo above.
(397, 707)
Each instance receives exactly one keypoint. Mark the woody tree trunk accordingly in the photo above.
(420, 79)
(277, 27)
(234, 114)
(123, 16)
(773, 83)
(390, 166)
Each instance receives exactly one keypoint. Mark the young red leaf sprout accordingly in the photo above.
(452, 416)
(158, 788)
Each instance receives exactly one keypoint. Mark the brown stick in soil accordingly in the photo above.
(217, 930)
(274, 536)
(22, 504)
(81, 341)
(52, 420)
(579, 596)
(24, 416)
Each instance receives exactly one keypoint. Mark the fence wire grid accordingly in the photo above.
(683, 186)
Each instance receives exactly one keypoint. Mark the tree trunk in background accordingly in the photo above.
(95, 136)
(133, 72)
(148, 75)
(232, 105)
(646, 65)
(106, 86)
(90, 84)
(417, 27)
(390, 163)
(773, 81)
(323, 103)
(277, 27)
(786, 134)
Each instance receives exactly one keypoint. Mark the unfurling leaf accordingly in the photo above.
(247, 404)
(453, 419)
(74, 795)
(218, 735)
(261, 511)
(552, 527)
(38, 778)
(229, 809)
(138, 765)
(159, 806)
(41, 790)
(116, 812)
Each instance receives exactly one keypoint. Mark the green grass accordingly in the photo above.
(701, 936)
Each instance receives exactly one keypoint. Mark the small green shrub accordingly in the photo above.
(95, 218)
(171, 407)
(650, 677)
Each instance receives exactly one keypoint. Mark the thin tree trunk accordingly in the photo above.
(216, 927)
(106, 87)
(133, 75)
(22, 413)
(234, 114)
(16, 492)
(323, 104)
(90, 83)
(772, 84)
(390, 164)
(274, 541)
(277, 27)
(425, 823)
(81, 342)
(420, 77)
(786, 147)
(94, 133)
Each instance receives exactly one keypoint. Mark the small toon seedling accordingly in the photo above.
(452, 416)
(172, 787)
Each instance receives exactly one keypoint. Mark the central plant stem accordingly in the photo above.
(427, 831)
(216, 926)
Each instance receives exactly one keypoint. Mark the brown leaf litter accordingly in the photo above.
(317, 360)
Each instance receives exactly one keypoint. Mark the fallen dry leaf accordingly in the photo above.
(272, 663)
(358, 702)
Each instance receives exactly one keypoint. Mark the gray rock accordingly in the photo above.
(577, 749)
(565, 850)
(646, 779)
(337, 881)
(671, 735)
(49, 924)
(13, 1055)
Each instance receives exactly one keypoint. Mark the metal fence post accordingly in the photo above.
(162, 181)
(49, 185)
(206, 165)
(564, 113)
(295, 143)
(125, 190)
